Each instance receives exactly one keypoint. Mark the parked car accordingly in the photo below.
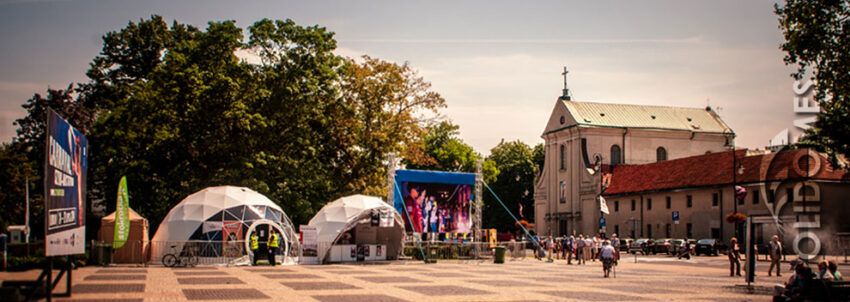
(676, 244)
(638, 246)
(709, 247)
(662, 246)
(625, 244)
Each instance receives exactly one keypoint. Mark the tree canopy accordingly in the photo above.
(517, 165)
(175, 109)
(441, 149)
(817, 37)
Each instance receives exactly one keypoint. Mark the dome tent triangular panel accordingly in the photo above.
(200, 217)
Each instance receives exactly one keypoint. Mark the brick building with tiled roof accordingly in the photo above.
(788, 193)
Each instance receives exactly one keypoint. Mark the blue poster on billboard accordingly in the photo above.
(64, 188)
(435, 202)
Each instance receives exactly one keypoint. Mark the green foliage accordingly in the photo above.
(817, 37)
(441, 149)
(175, 110)
(24, 263)
(517, 165)
(385, 100)
(14, 170)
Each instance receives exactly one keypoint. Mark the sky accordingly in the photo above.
(498, 64)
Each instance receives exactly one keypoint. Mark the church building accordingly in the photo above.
(583, 140)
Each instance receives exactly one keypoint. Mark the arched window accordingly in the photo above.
(807, 191)
(615, 155)
(661, 154)
(563, 157)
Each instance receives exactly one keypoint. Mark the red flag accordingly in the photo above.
(520, 211)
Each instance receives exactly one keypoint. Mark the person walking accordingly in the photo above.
(569, 247)
(550, 245)
(734, 258)
(775, 254)
(606, 256)
(580, 249)
(684, 250)
(274, 243)
(559, 243)
(255, 247)
(615, 242)
(588, 249)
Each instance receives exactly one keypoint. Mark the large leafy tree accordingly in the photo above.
(173, 112)
(441, 149)
(817, 37)
(389, 105)
(514, 185)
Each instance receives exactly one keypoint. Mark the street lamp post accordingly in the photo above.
(734, 184)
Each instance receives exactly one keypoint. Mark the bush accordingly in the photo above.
(23, 263)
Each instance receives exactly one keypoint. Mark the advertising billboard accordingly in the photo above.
(64, 188)
(435, 202)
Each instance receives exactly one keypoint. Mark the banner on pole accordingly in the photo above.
(122, 215)
(66, 161)
(603, 205)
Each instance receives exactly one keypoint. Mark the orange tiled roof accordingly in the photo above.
(716, 170)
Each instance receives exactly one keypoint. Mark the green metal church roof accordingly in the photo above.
(646, 117)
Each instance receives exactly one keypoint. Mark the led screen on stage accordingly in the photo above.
(435, 202)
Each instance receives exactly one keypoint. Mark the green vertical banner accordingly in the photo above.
(122, 215)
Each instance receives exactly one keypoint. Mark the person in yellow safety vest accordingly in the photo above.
(273, 246)
(255, 247)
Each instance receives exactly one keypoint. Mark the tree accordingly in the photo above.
(441, 149)
(539, 158)
(386, 102)
(514, 185)
(15, 168)
(817, 37)
(173, 113)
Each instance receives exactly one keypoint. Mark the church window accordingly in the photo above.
(563, 157)
(661, 154)
(615, 155)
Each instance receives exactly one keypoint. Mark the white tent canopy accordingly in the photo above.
(344, 214)
(202, 216)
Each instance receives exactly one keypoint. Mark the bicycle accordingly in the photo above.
(186, 258)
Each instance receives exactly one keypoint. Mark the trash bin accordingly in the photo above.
(499, 255)
(103, 253)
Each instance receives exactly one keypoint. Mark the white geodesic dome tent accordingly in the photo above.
(344, 214)
(217, 218)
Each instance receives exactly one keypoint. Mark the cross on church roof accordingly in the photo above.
(566, 92)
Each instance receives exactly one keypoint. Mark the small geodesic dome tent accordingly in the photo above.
(356, 213)
(216, 222)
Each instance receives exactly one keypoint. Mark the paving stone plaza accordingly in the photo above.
(652, 278)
